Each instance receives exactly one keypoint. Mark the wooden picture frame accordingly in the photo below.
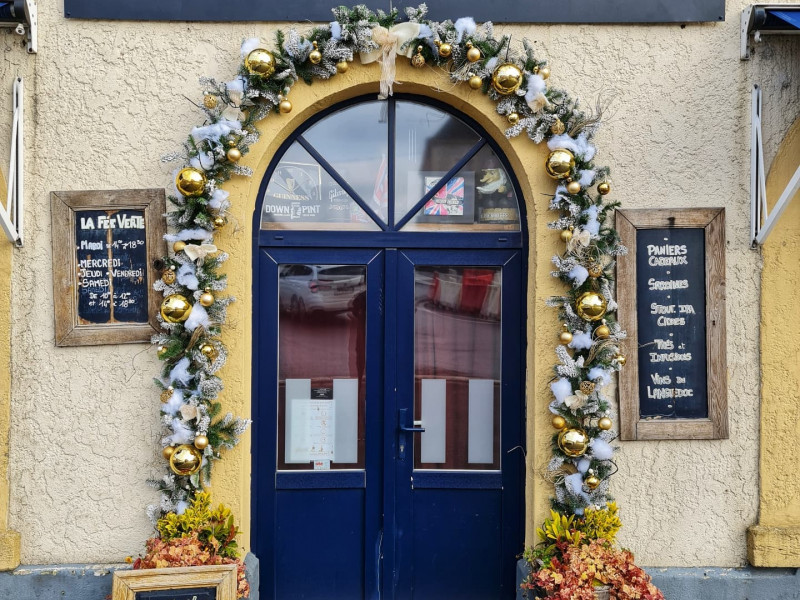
(135, 251)
(134, 585)
(712, 223)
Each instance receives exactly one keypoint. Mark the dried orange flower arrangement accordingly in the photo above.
(199, 536)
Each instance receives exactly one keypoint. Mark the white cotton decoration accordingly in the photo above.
(596, 373)
(186, 276)
(197, 317)
(601, 450)
(592, 225)
(174, 403)
(574, 484)
(336, 30)
(580, 147)
(218, 197)
(181, 507)
(536, 86)
(581, 340)
(189, 234)
(215, 131)
(587, 177)
(561, 389)
(424, 32)
(180, 372)
(492, 63)
(181, 434)
(249, 45)
(236, 86)
(578, 274)
(583, 465)
(464, 26)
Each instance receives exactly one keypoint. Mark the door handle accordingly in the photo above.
(401, 423)
(414, 429)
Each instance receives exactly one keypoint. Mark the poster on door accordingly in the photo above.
(312, 429)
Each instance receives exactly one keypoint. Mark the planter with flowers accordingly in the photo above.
(197, 537)
(578, 559)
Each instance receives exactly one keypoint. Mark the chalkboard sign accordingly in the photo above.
(211, 582)
(103, 247)
(672, 304)
(206, 593)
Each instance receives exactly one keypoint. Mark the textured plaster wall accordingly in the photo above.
(109, 101)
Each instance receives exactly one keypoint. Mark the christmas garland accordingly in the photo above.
(193, 311)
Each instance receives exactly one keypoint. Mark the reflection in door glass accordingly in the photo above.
(457, 367)
(321, 355)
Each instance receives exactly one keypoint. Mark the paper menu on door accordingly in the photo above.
(312, 429)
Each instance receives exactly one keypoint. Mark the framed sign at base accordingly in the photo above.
(213, 582)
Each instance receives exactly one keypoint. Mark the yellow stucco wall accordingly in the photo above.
(108, 102)
(776, 539)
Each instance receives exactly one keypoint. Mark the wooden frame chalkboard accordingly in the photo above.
(692, 255)
(104, 243)
(211, 582)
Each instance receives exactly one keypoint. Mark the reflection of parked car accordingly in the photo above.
(305, 289)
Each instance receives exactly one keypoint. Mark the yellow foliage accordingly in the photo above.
(601, 523)
(559, 528)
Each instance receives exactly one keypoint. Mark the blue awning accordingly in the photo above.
(791, 17)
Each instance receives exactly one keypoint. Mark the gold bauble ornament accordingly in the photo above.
(544, 72)
(573, 442)
(167, 394)
(167, 452)
(587, 387)
(604, 188)
(191, 182)
(209, 351)
(185, 460)
(219, 222)
(206, 298)
(285, 106)
(178, 246)
(315, 56)
(475, 82)
(559, 422)
(260, 62)
(620, 359)
(573, 187)
(595, 270)
(592, 481)
(591, 306)
(445, 49)
(558, 127)
(560, 163)
(210, 101)
(566, 234)
(342, 66)
(513, 119)
(233, 154)
(168, 276)
(603, 332)
(507, 78)
(200, 442)
(565, 337)
(605, 423)
(175, 308)
(418, 60)
(162, 351)
(473, 54)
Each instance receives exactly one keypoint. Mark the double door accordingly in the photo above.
(388, 423)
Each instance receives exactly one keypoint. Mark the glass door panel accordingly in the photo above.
(321, 366)
(457, 354)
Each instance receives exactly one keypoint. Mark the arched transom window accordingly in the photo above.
(395, 165)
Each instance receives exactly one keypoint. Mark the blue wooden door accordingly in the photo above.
(385, 343)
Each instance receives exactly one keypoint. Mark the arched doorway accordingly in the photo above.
(388, 358)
